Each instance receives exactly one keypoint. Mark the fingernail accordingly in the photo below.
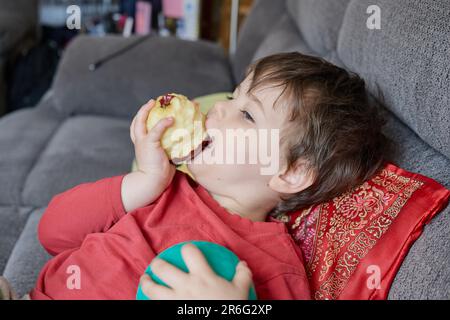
(244, 263)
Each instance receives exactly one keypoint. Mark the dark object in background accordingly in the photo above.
(31, 74)
(128, 7)
(210, 20)
(156, 9)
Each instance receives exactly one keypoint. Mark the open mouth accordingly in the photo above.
(207, 143)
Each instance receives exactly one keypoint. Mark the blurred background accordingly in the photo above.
(34, 34)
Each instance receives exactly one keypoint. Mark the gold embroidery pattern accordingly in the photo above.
(347, 233)
(322, 224)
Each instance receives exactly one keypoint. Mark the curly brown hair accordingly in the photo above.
(331, 125)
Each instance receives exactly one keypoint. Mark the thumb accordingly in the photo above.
(243, 277)
(157, 131)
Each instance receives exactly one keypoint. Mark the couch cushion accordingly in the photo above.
(264, 15)
(120, 86)
(283, 38)
(319, 22)
(27, 258)
(424, 273)
(23, 136)
(413, 154)
(408, 60)
(85, 148)
(2, 86)
(12, 221)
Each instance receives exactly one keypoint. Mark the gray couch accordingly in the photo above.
(79, 132)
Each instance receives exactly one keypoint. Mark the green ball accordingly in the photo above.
(220, 259)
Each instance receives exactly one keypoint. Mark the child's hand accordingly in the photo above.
(151, 159)
(201, 283)
(155, 172)
(6, 291)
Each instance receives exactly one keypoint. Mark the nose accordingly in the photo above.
(217, 111)
(213, 116)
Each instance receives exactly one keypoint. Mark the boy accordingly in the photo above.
(107, 232)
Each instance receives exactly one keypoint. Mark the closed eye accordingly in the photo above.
(247, 115)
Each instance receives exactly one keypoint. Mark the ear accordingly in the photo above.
(292, 181)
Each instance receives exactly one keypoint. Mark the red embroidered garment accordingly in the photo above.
(359, 237)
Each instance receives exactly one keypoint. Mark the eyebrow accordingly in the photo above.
(254, 99)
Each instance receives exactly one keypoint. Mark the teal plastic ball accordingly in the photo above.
(221, 260)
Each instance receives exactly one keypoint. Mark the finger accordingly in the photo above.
(195, 260)
(157, 131)
(140, 127)
(5, 289)
(153, 290)
(133, 138)
(243, 276)
(171, 275)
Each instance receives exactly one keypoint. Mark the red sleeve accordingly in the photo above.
(72, 215)
(285, 287)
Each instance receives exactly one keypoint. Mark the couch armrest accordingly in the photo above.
(121, 85)
(24, 135)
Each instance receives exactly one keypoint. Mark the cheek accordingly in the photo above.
(233, 176)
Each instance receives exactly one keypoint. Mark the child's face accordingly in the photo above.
(242, 187)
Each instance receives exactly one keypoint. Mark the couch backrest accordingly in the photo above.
(255, 28)
(407, 60)
(319, 22)
(308, 26)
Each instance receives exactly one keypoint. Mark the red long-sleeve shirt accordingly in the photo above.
(91, 237)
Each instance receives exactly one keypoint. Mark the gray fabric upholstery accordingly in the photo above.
(265, 14)
(23, 134)
(80, 131)
(283, 38)
(154, 67)
(12, 221)
(425, 273)
(408, 59)
(319, 22)
(2, 87)
(84, 148)
(27, 258)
